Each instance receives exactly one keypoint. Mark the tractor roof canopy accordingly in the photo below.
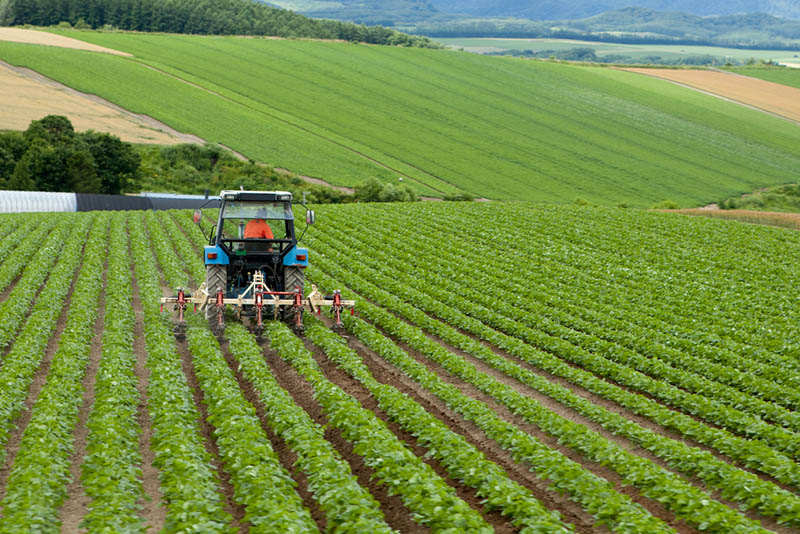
(256, 196)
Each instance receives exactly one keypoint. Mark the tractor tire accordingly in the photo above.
(293, 277)
(216, 279)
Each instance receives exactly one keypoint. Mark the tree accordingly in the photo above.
(115, 162)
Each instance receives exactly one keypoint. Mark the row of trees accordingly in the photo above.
(51, 156)
(220, 17)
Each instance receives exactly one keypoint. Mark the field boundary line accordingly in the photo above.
(710, 93)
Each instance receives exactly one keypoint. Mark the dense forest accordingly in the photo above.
(221, 17)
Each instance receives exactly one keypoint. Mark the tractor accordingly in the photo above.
(253, 264)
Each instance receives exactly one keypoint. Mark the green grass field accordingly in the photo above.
(495, 127)
(632, 50)
(785, 76)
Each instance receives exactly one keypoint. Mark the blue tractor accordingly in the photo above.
(254, 265)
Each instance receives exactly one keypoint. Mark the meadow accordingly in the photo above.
(442, 121)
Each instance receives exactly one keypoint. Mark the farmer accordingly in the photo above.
(258, 228)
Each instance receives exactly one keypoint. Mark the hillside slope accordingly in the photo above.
(443, 121)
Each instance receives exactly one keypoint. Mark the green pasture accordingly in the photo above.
(482, 45)
(496, 127)
(785, 76)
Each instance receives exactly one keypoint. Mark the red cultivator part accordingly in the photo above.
(257, 300)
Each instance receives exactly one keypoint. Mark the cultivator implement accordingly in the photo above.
(259, 303)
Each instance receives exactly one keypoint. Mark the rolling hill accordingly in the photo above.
(574, 9)
(441, 121)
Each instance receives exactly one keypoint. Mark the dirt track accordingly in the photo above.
(766, 96)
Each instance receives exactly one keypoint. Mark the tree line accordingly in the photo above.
(218, 17)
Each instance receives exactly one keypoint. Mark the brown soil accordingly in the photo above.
(366, 399)
(770, 97)
(30, 96)
(503, 412)
(394, 511)
(286, 456)
(386, 373)
(207, 433)
(153, 512)
(76, 503)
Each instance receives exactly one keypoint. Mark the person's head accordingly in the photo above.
(261, 213)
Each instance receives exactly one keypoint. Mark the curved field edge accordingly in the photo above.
(494, 127)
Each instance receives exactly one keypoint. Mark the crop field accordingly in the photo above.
(774, 97)
(442, 121)
(539, 370)
(487, 44)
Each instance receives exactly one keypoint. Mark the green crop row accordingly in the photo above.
(19, 227)
(348, 507)
(22, 249)
(38, 266)
(167, 258)
(594, 494)
(430, 500)
(261, 485)
(711, 397)
(686, 501)
(778, 466)
(182, 245)
(110, 472)
(461, 459)
(37, 484)
(187, 479)
(20, 364)
(751, 454)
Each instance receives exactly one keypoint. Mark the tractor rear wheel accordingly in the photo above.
(293, 277)
(216, 280)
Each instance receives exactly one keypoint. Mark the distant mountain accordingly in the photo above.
(382, 12)
(575, 9)
(632, 25)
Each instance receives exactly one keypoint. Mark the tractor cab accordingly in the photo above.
(255, 232)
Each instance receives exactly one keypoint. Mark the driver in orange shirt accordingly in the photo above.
(258, 228)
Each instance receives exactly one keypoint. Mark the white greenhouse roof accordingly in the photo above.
(24, 201)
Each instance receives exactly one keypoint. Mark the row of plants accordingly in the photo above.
(762, 397)
(348, 507)
(168, 260)
(430, 500)
(744, 310)
(766, 497)
(264, 489)
(110, 471)
(595, 494)
(618, 260)
(579, 335)
(19, 252)
(25, 356)
(486, 318)
(17, 227)
(184, 248)
(17, 303)
(750, 453)
(37, 484)
(463, 461)
(188, 481)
